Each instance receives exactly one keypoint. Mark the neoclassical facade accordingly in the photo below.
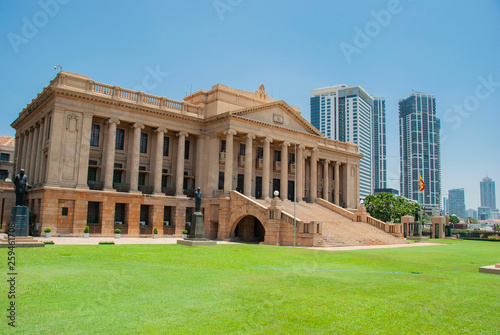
(107, 157)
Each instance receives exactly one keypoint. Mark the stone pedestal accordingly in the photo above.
(493, 269)
(20, 217)
(197, 227)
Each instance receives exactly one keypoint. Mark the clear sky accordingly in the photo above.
(169, 48)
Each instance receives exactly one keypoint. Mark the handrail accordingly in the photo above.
(336, 209)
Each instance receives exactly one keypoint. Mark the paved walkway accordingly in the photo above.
(170, 240)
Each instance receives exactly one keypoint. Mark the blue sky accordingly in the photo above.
(447, 48)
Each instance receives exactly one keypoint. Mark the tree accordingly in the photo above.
(387, 208)
(471, 220)
(454, 219)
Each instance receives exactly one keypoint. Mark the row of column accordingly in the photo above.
(266, 171)
(29, 151)
(157, 160)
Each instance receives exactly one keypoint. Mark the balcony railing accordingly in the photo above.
(94, 228)
(241, 160)
(277, 166)
(168, 191)
(222, 157)
(145, 189)
(291, 168)
(146, 229)
(95, 185)
(189, 193)
(120, 187)
(123, 228)
(259, 163)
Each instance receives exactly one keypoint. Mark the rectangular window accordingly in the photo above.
(260, 152)
(291, 158)
(223, 146)
(242, 149)
(166, 146)
(64, 211)
(144, 143)
(49, 125)
(4, 157)
(186, 150)
(94, 135)
(120, 139)
(142, 179)
(3, 174)
(92, 174)
(221, 181)
(277, 155)
(117, 176)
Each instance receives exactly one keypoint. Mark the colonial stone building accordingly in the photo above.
(107, 157)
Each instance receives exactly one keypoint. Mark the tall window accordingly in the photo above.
(291, 158)
(223, 146)
(186, 150)
(260, 152)
(4, 174)
(94, 135)
(277, 155)
(49, 125)
(144, 143)
(117, 176)
(166, 146)
(120, 139)
(92, 174)
(242, 149)
(142, 179)
(4, 157)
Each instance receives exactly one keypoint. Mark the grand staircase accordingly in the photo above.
(340, 227)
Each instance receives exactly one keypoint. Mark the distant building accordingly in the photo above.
(350, 114)
(487, 188)
(445, 206)
(483, 213)
(457, 202)
(386, 190)
(6, 157)
(419, 138)
(471, 213)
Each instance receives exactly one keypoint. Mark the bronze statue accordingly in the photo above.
(197, 200)
(21, 182)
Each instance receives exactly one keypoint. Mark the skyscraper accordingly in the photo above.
(419, 141)
(350, 114)
(487, 187)
(457, 202)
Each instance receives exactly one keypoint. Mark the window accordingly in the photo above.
(221, 181)
(64, 211)
(260, 152)
(117, 176)
(48, 130)
(120, 139)
(4, 157)
(277, 155)
(142, 179)
(92, 174)
(166, 146)
(3, 174)
(186, 150)
(242, 149)
(291, 158)
(223, 146)
(144, 143)
(94, 135)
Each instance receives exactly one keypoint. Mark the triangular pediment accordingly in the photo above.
(280, 114)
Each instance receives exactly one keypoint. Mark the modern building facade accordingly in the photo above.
(106, 157)
(6, 157)
(457, 202)
(419, 138)
(350, 114)
(488, 196)
(471, 213)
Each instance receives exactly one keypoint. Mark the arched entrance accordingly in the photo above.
(250, 229)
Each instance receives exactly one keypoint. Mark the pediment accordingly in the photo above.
(279, 114)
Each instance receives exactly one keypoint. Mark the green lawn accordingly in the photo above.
(254, 289)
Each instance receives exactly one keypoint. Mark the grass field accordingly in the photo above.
(254, 289)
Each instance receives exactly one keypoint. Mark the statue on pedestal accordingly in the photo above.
(21, 183)
(197, 200)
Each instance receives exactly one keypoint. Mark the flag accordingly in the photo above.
(421, 184)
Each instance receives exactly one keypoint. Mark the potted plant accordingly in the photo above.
(155, 233)
(86, 232)
(184, 234)
(118, 233)
(47, 232)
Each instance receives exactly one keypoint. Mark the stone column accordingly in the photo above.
(284, 171)
(326, 179)
(134, 167)
(228, 164)
(158, 167)
(200, 166)
(299, 169)
(109, 158)
(42, 172)
(266, 167)
(179, 174)
(337, 184)
(55, 145)
(34, 151)
(248, 164)
(84, 152)
(314, 174)
(39, 154)
(19, 150)
(24, 148)
(29, 152)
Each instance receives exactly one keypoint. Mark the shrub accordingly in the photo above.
(155, 231)
(47, 230)
(494, 238)
(117, 231)
(86, 230)
(184, 231)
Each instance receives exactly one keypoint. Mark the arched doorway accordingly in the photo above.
(250, 229)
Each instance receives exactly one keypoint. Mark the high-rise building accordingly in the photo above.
(445, 206)
(457, 202)
(350, 114)
(483, 213)
(488, 199)
(471, 213)
(420, 149)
